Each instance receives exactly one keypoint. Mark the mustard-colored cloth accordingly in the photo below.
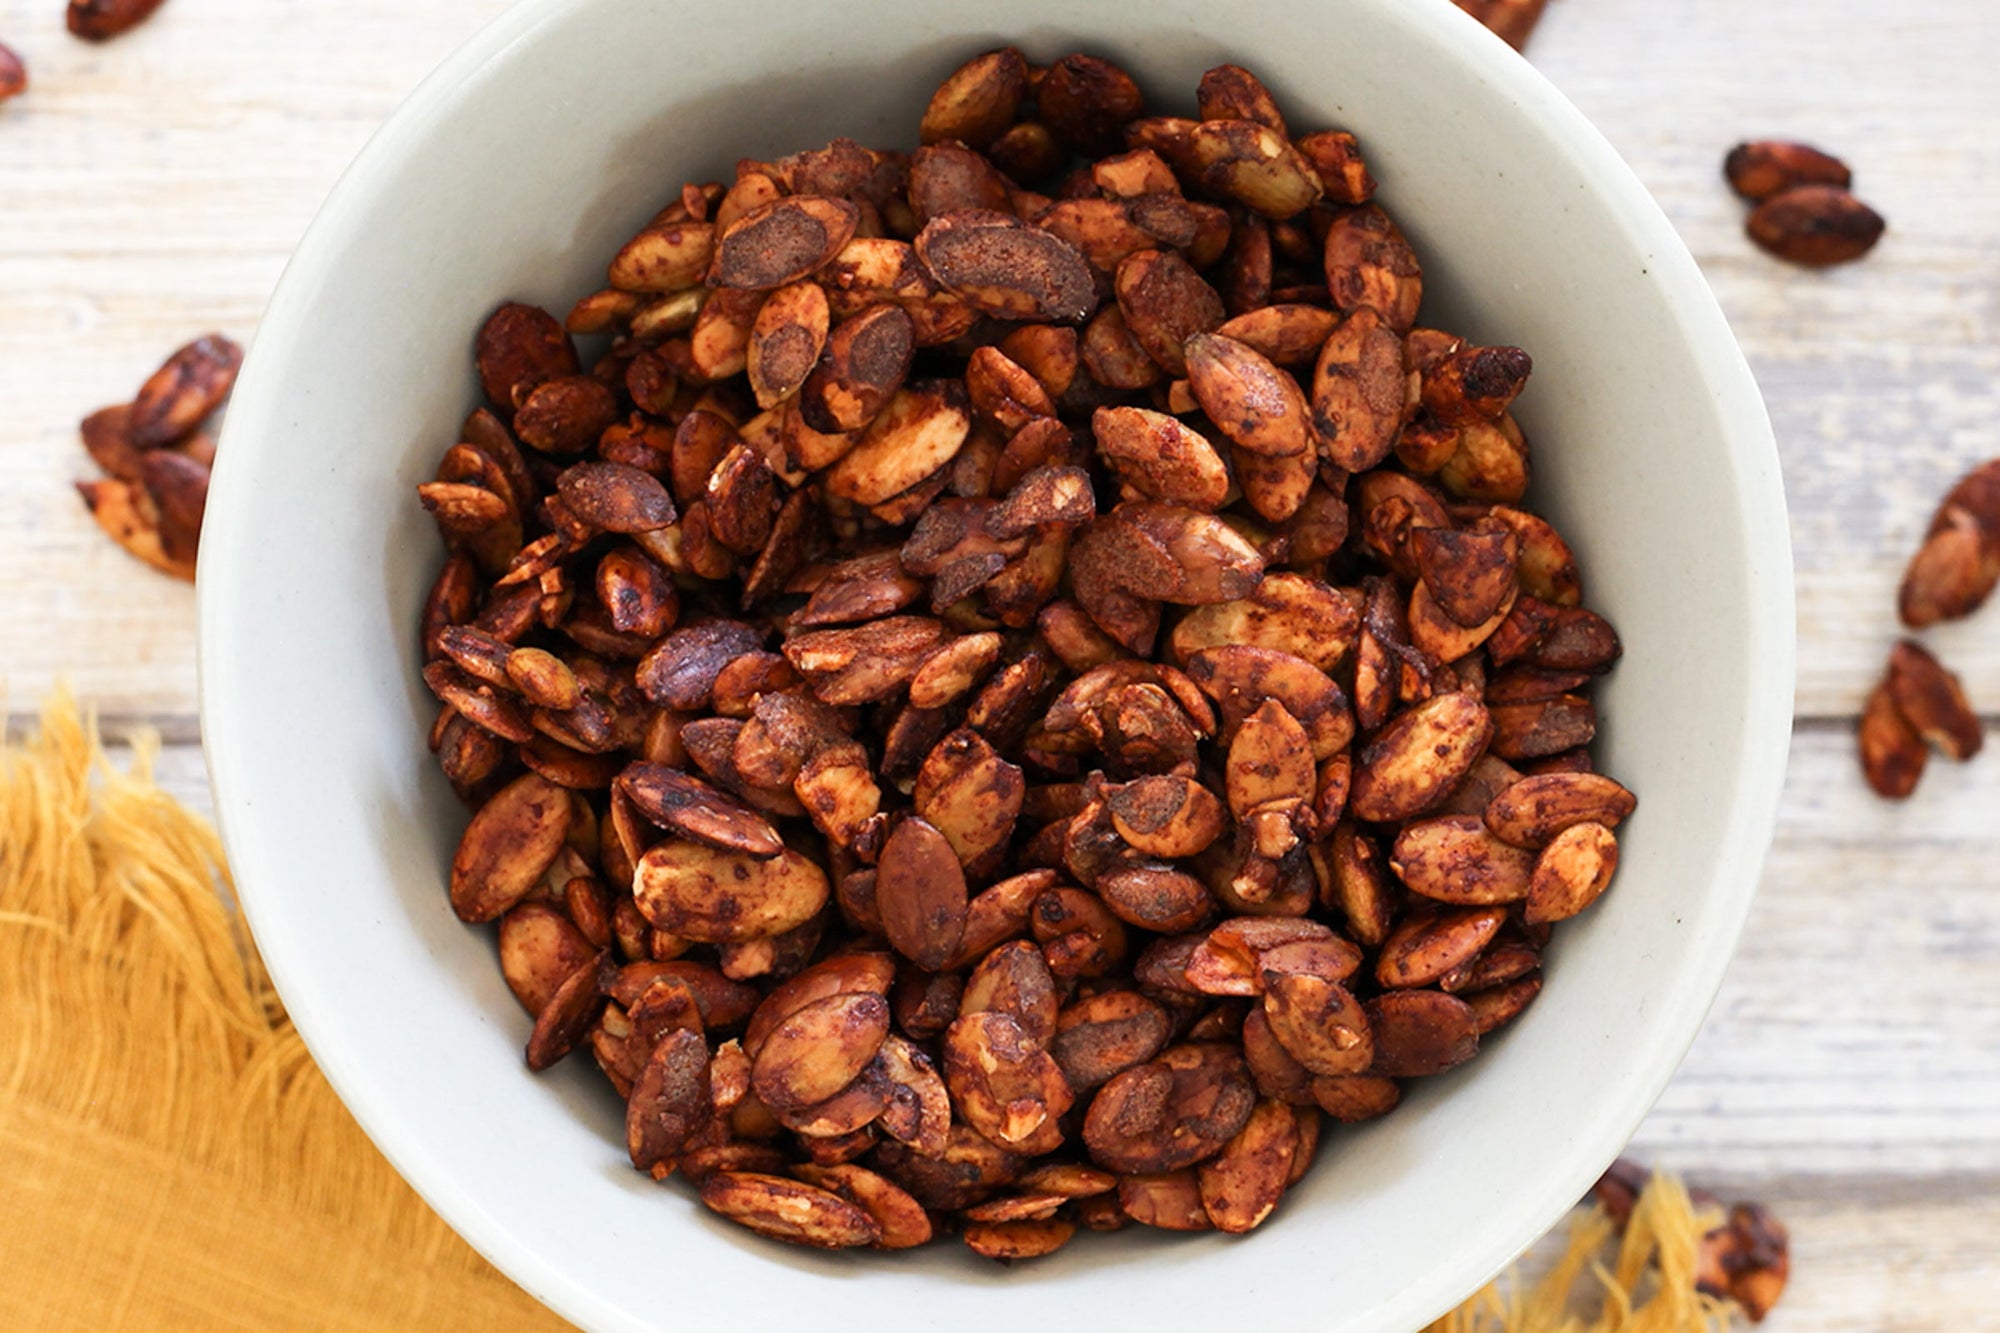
(170, 1158)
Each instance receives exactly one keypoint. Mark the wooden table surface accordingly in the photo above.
(1850, 1073)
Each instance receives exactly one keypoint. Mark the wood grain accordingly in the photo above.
(1850, 1072)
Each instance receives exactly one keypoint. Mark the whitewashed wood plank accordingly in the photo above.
(1859, 1030)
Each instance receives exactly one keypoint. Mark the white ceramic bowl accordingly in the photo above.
(514, 172)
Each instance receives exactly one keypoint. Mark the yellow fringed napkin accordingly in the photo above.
(170, 1158)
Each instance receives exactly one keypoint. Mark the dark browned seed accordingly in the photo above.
(692, 808)
(636, 593)
(1746, 1259)
(1257, 405)
(742, 501)
(665, 257)
(1242, 1185)
(539, 950)
(1230, 92)
(951, 178)
(1369, 263)
(1892, 753)
(906, 450)
(1764, 167)
(868, 357)
(1078, 933)
(519, 347)
(479, 702)
(1531, 811)
(1549, 726)
(1286, 335)
(1253, 165)
(1048, 497)
(1420, 1032)
(786, 340)
(782, 241)
(1815, 225)
(1003, 1083)
(1415, 761)
(1113, 357)
(1101, 1036)
(965, 1171)
(1475, 383)
(706, 895)
(478, 654)
(670, 1100)
(107, 437)
(1156, 897)
(1933, 702)
(1353, 1098)
(699, 443)
(614, 498)
(101, 20)
(1001, 913)
(178, 486)
(1424, 949)
(1336, 156)
(13, 73)
(788, 1210)
(1165, 302)
(978, 101)
(720, 1003)
(606, 311)
(1571, 873)
(971, 795)
(865, 587)
(920, 892)
(1028, 152)
(680, 673)
(1003, 267)
(1455, 859)
(1953, 572)
(1088, 102)
(469, 755)
(1241, 677)
(1004, 394)
(1168, 1200)
(1165, 816)
(864, 663)
(1172, 1112)
(1319, 1023)
(1014, 979)
(178, 396)
(819, 1049)
(566, 414)
(1470, 573)
(1359, 391)
(569, 1013)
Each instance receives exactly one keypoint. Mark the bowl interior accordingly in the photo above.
(514, 173)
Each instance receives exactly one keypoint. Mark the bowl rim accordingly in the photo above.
(1742, 843)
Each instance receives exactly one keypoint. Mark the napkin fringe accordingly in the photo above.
(1644, 1283)
(137, 1024)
